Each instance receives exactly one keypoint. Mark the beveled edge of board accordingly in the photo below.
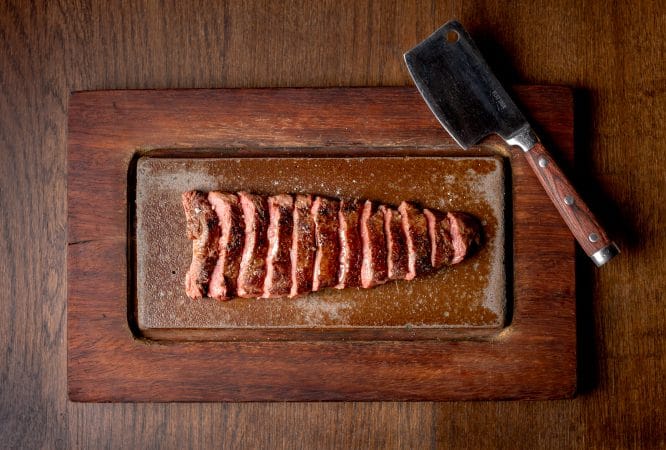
(533, 358)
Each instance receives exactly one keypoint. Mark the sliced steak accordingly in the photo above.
(303, 246)
(278, 260)
(396, 246)
(415, 228)
(327, 259)
(374, 269)
(232, 234)
(248, 245)
(465, 234)
(202, 228)
(351, 248)
(255, 248)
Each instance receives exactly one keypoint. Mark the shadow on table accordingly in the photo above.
(595, 192)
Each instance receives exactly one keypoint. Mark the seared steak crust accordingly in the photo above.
(415, 228)
(303, 246)
(253, 262)
(441, 242)
(202, 228)
(278, 261)
(374, 268)
(396, 246)
(230, 218)
(465, 234)
(327, 239)
(351, 247)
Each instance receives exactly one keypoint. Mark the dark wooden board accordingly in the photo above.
(533, 357)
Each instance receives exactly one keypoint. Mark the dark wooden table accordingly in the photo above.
(613, 55)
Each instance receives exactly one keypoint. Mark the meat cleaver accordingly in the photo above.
(470, 103)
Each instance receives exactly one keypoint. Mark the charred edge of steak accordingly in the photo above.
(466, 234)
(326, 263)
(278, 260)
(234, 248)
(222, 284)
(203, 229)
(253, 262)
(351, 247)
(303, 246)
(374, 265)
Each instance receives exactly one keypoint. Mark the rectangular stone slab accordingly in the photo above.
(471, 295)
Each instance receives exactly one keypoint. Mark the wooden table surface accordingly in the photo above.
(612, 55)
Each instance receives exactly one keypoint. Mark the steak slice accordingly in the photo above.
(255, 248)
(278, 260)
(303, 246)
(465, 234)
(222, 284)
(396, 246)
(202, 228)
(374, 269)
(351, 248)
(441, 243)
(415, 228)
(327, 259)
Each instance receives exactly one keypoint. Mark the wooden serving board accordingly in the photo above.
(533, 355)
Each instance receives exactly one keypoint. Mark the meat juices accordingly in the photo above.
(247, 245)
(203, 230)
(415, 228)
(278, 260)
(303, 246)
(351, 248)
(326, 263)
(374, 269)
(255, 248)
(222, 284)
(396, 246)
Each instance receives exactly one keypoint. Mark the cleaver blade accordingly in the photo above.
(470, 103)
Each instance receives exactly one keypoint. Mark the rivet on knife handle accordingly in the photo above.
(470, 103)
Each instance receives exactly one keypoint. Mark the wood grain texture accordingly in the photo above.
(574, 211)
(533, 358)
(613, 56)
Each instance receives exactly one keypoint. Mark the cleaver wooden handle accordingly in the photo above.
(578, 217)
